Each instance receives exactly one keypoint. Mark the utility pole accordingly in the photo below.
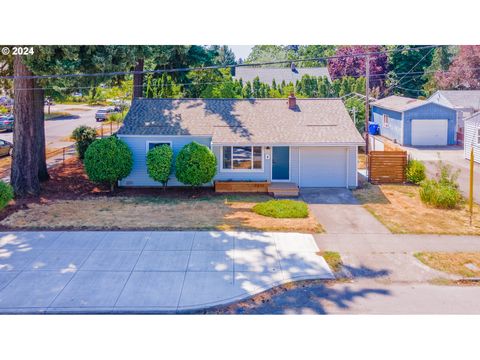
(354, 115)
(367, 111)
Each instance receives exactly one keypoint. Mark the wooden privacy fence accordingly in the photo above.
(387, 166)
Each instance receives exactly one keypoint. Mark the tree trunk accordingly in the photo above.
(24, 174)
(138, 80)
(39, 99)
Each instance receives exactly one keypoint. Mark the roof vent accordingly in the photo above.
(292, 101)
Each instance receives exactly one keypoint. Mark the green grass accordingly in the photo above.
(333, 260)
(282, 209)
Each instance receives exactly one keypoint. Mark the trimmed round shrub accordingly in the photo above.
(195, 164)
(283, 209)
(6, 194)
(83, 136)
(415, 172)
(108, 160)
(159, 163)
(440, 195)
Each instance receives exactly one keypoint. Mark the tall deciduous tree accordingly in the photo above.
(407, 59)
(441, 60)
(24, 174)
(351, 62)
(464, 73)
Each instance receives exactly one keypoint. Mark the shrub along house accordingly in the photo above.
(284, 143)
(414, 122)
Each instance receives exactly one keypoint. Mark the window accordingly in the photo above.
(242, 158)
(152, 144)
(386, 121)
(478, 136)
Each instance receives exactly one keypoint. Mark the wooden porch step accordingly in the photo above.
(283, 189)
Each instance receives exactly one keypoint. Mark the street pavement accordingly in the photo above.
(147, 272)
(57, 130)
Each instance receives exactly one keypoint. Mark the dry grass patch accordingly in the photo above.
(458, 263)
(208, 213)
(400, 209)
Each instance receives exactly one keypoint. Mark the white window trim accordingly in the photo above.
(386, 121)
(147, 146)
(222, 169)
(289, 166)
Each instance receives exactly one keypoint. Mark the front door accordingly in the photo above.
(280, 163)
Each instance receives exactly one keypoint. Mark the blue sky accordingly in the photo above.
(241, 51)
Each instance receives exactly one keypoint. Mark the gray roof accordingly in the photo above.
(462, 98)
(236, 121)
(266, 75)
(398, 103)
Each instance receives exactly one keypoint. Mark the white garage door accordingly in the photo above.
(429, 132)
(322, 167)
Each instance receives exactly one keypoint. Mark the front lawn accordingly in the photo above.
(400, 209)
(71, 201)
(57, 115)
(458, 263)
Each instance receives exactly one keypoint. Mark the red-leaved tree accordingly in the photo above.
(464, 72)
(350, 63)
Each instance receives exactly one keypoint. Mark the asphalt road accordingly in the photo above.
(58, 129)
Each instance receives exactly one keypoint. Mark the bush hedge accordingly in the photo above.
(83, 136)
(159, 163)
(6, 194)
(108, 160)
(415, 171)
(440, 195)
(282, 209)
(195, 164)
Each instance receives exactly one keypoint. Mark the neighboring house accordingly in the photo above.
(472, 137)
(414, 122)
(267, 75)
(466, 102)
(308, 142)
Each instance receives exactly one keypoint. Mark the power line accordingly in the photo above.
(213, 67)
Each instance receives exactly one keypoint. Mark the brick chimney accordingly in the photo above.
(292, 101)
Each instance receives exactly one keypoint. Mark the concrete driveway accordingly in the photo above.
(147, 272)
(340, 213)
(453, 156)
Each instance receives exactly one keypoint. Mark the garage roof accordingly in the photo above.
(252, 121)
(398, 103)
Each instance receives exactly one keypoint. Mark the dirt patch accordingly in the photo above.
(400, 209)
(466, 264)
(362, 161)
(70, 201)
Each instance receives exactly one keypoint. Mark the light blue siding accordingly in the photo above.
(139, 175)
(430, 111)
(394, 129)
(138, 145)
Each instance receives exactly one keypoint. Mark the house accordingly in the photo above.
(287, 74)
(414, 122)
(472, 137)
(466, 102)
(307, 142)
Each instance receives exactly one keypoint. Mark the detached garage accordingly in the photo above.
(414, 122)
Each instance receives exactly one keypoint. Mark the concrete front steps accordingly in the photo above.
(283, 189)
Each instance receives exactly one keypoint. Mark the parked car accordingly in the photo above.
(6, 123)
(102, 114)
(6, 148)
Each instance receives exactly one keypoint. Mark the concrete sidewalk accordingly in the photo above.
(147, 272)
(389, 257)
